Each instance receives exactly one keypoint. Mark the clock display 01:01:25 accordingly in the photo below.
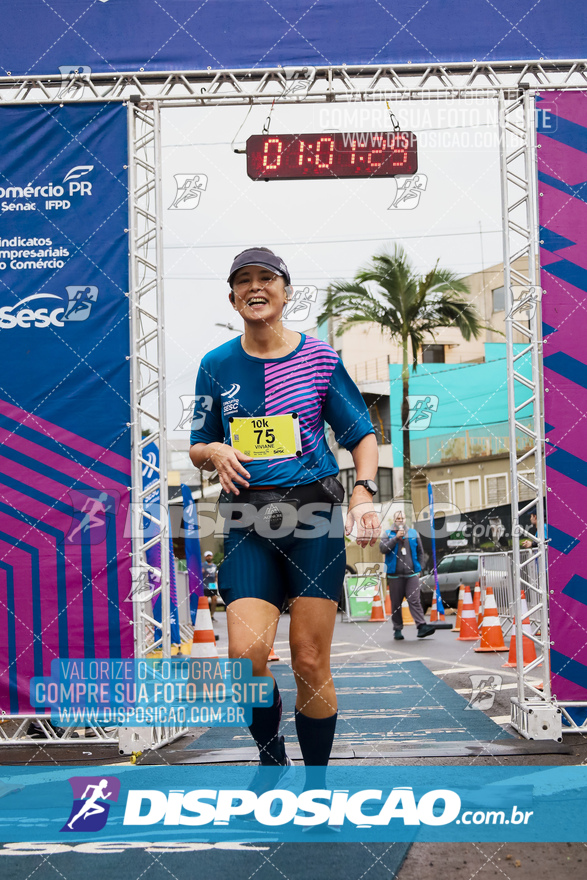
(331, 155)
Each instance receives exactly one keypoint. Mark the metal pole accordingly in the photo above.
(509, 304)
(161, 393)
(136, 469)
(536, 357)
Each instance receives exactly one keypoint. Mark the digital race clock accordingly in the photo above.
(335, 155)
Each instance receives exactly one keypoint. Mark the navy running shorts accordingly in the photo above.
(275, 568)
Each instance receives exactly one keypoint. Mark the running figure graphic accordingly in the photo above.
(95, 510)
(422, 408)
(91, 808)
(81, 300)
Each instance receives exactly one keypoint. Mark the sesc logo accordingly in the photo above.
(77, 307)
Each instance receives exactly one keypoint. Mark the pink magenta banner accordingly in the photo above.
(65, 574)
(562, 187)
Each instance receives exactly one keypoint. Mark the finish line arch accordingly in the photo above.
(146, 92)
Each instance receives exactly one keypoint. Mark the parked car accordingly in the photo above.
(453, 570)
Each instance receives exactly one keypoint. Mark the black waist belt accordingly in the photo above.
(328, 490)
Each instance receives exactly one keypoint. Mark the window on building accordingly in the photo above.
(498, 296)
(433, 354)
(384, 480)
(347, 478)
(378, 405)
(524, 492)
(467, 493)
(496, 489)
(385, 483)
(441, 495)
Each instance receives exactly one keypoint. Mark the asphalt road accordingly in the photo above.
(452, 660)
(455, 661)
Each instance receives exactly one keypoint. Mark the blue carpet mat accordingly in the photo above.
(261, 861)
(399, 703)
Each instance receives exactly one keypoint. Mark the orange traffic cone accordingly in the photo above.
(434, 615)
(377, 612)
(407, 618)
(272, 655)
(469, 631)
(204, 644)
(477, 602)
(482, 607)
(491, 634)
(528, 647)
(457, 626)
(387, 603)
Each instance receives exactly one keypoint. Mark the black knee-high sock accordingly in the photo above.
(265, 731)
(315, 736)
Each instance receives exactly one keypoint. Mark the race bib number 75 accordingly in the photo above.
(267, 436)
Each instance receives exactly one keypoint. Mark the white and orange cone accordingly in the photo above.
(528, 646)
(377, 612)
(491, 634)
(204, 643)
(272, 655)
(482, 607)
(407, 618)
(457, 625)
(477, 602)
(387, 603)
(469, 631)
(434, 615)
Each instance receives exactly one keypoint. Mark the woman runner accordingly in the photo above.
(283, 532)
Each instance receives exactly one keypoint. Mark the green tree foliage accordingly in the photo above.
(406, 306)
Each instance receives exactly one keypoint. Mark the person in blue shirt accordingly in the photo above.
(404, 556)
(261, 403)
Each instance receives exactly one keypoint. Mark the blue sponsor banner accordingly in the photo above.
(64, 263)
(38, 37)
(152, 505)
(349, 804)
(193, 553)
(64, 392)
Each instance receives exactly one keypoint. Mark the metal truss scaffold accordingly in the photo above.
(535, 713)
(296, 84)
(148, 394)
(150, 528)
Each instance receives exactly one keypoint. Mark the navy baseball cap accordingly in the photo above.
(259, 257)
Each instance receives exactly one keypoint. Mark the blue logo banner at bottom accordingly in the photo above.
(245, 804)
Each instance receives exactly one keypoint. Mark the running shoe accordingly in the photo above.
(270, 776)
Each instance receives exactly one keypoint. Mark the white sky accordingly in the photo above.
(323, 229)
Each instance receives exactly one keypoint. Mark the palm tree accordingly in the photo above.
(408, 307)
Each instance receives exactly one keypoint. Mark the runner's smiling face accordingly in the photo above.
(259, 294)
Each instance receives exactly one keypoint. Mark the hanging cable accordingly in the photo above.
(267, 125)
(393, 118)
(238, 132)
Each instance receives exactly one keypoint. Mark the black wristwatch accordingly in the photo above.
(369, 485)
